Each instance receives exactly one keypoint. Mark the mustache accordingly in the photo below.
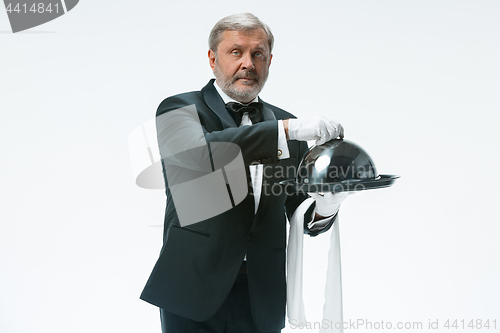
(247, 75)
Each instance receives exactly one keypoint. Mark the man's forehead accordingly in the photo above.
(256, 37)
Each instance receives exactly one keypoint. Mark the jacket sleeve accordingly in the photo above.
(179, 130)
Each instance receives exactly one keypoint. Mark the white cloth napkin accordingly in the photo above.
(332, 309)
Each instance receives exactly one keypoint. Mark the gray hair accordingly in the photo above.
(238, 22)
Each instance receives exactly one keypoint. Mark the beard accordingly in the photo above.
(243, 94)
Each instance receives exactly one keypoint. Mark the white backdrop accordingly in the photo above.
(416, 83)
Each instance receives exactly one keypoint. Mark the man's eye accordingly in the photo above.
(236, 53)
(259, 55)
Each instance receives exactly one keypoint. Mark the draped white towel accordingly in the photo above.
(332, 309)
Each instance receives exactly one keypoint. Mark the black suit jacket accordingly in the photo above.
(198, 264)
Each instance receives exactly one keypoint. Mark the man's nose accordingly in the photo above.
(247, 62)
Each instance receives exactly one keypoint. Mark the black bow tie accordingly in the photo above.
(237, 110)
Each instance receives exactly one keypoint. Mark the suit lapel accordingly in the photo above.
(216, 104)
(267, 114)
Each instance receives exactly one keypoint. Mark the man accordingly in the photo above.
(227, 273)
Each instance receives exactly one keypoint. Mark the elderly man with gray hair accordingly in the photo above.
(227, 272)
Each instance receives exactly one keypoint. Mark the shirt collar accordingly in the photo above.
(228, 99)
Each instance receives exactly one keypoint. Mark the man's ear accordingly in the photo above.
(270, 58)
(211, 58)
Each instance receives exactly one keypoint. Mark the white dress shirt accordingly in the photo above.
(256, 171)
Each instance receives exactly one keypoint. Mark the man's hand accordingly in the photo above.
(319, 128)
(327, 204)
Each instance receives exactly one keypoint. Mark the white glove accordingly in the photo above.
(327, 204)
(319, 128)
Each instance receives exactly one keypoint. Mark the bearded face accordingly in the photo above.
(241, 64)
(250, 86)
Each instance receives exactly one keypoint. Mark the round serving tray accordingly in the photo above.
(350, 185)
